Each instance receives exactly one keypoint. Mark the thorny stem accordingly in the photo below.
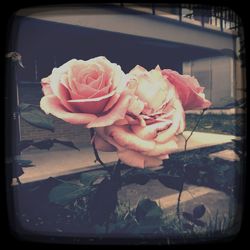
(18, 180)
(98, 159)
(185, 163)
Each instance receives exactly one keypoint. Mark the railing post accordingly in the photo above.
(221, 19)
(202, 19)
(180, 13)
(153, 8)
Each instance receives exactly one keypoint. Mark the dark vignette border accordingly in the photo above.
(32, 240)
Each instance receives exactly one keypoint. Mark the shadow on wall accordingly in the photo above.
(44, 45)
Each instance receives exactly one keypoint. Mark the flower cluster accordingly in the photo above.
(138, 114)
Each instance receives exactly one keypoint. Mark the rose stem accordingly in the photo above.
(185, 163)
(98, 159)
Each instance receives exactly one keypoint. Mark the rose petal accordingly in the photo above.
(103, 134)
(116, 113)
(91, 105)
(188, 89)
(112, 101)
(163, 157)
(103, 145)
(95, 83)
(129, 120)
(137, 70)
(46, 88)
(136, 106)
(165, 135)
(131, 158)
(152, 162)
(126, 138)
(51, 105)
(163, 148)
(53, 85)
(83, 90)
(64, 96)
(150, 131)
(56, 79)
(135, 159)
(101, 92)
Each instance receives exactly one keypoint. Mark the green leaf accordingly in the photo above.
(199, 223)
(44, 144)
(174, 182)
(35, 116)
(23, 163)
(222, 168)
(188, 216)
(65, 193)
(199, 211)
(140, 176)
(148, 210)
(69, 144)
(102, 202)
(90, 177)
(24, 144)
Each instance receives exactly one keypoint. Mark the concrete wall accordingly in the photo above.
(31, 93)
(135, 23)
(221, 77)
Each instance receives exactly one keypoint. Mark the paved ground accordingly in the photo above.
(228, 155)
(231, 111)
(63, 161)
(216, 202)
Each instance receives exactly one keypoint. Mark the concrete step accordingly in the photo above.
(231, 111)
(61, 161)
(217, 203)
(228, 155)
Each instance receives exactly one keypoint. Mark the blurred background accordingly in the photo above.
(203, 41)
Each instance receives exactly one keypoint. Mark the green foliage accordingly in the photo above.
(66, 193)
(90, 178)
(213, 123)
(69, 144)
(138, 176)
(102, 202)
(44, 144)
(193, 218)
(35, 116)
(148, 211)
(199, 211)
(23, 163)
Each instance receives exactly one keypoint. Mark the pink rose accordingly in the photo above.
(147, 134)
(189, 90)
(86, 92)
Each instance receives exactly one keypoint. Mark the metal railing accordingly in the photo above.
(220, 17)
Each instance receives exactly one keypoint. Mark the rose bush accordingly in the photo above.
(155, 116)
(86, 92)
(147, 134)
(139, 115)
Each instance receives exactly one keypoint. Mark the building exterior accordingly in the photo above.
(126, 35)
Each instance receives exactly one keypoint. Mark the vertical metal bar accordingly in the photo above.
(36, 75)
(202, 19)
(221, 20)
(55, 63)
(153, 8)
(180, 13)
(210, 79)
